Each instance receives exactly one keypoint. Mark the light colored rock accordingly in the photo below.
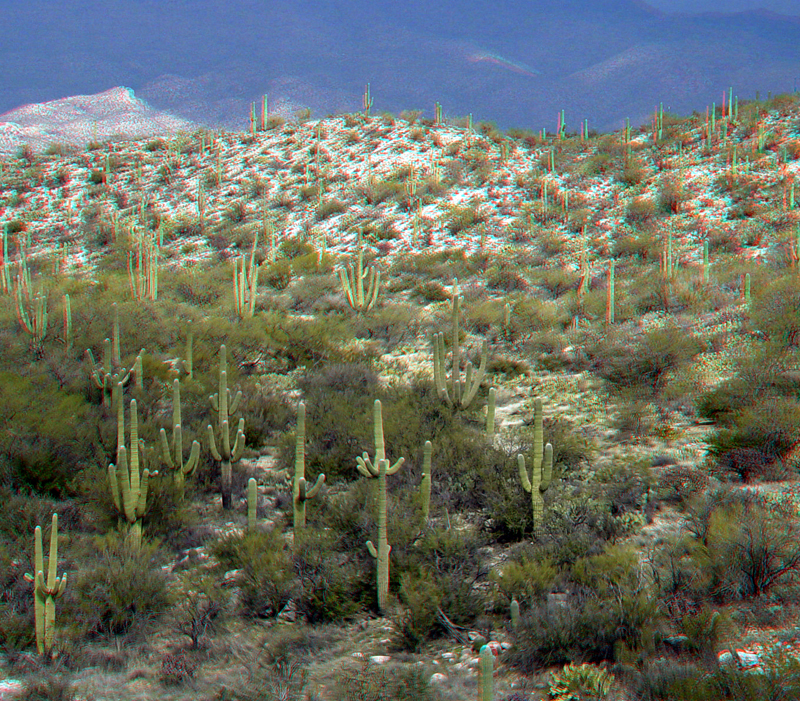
(379, 659)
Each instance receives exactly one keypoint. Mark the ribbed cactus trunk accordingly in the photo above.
(300, 490)
(541, 470)
(487, 674)
(381, 554)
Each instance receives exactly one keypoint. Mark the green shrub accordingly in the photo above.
(643, 363)
(418, 623)
(266, 578)
(119, 592)
(332, 585)
(526, 578)
(278, 275)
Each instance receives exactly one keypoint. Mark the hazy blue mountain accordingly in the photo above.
(514, 63)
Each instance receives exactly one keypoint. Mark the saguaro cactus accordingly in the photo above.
(301, 493)
(224, 406)
(110, 375)
(381, 553)
(487, 674)
(180, 468)
(461, 393)
(46, 594)
(252, 503)
(379, 468)
(425, 486)
(124, 479)
(541, 470)
(353, 283)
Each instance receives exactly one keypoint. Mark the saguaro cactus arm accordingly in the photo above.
(181, 468)
(365, 465)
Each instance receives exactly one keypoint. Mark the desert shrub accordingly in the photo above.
(278, 275)
(266, 580)
(774, 312)
(177, 668)
(363, 680)
(451, 558)
(671, 196)
(502, 277)
(272, 679)
(119, 592)
(266, 412)
(332, 585)
(746, 546)
(643, 245)
(668, 680)
(762, 434)
(391, 324)
(682, 483)
(588, 628)
(198, 601)
(640, 210)
(418, 622)
(51, 431)
(526, 578)
(631, 174)
(643, 363)
(432, 291)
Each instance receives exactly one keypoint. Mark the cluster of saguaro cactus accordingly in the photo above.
(353, 283)
(45, 594)
(111, 376)
(143, 277)
(245, 283)
(128, 491)
(461, 393)
(224, 406)
(541, 470)
(378, 469)
(300, 491)
(174, 457)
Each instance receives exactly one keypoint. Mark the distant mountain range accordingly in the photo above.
(517, 64)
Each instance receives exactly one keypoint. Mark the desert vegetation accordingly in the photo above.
(516, 420)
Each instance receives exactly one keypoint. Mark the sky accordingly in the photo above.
(786, 7)
(517, 63)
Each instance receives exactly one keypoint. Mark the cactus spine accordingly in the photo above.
(301, 493)
(44, 595)
(487, 672)
(425, 486)
(353, 283)
(461, 393)
(180, 469)
(224, 406)
(541, 470)
(379, 468)
(125, 479)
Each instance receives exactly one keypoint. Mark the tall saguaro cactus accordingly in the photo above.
(226, 455)
(180, 468)
(380, 468)
(541, 470)
(128, 491)
(46, 594)
(425, 486)
(300, 492)
(461, 393)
